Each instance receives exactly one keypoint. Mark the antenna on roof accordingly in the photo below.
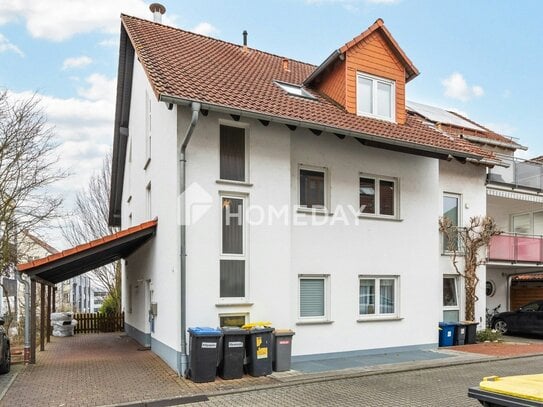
(157, 9)
(244, 38)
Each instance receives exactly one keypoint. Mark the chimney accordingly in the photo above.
(244, 48)
(285, 65)
(157, 9)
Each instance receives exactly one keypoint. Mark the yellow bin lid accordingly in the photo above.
(258, 324)
(528, 387)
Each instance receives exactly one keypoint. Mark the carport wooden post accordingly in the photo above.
(42, 317)
(49, 299)
(32, 358)
(54, 300)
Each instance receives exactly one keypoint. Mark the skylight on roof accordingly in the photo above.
(295, 90)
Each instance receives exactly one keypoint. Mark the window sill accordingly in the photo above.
(234, 304)
(379, 319)
(313, 211)
(317, 322)
(231, 182)
(147, 163)
(377, 217)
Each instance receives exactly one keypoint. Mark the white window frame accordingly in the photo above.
(233, 256)
(458, 306)
(531, 215)
(317, 319)
(444, 250)
(375, 80)
(324, 170)
(377, 315)
(377, 179)
(247, 128)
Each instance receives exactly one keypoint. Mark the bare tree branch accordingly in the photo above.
(471, 241)
(90, 221)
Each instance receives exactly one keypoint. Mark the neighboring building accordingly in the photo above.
(311, 193)
(98, 299)
(514, 198)
(29, 247)
(76, 294)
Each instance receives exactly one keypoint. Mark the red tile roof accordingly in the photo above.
(196, 68)
(85, 246)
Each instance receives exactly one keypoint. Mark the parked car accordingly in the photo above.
(5, 354)
(527, 319)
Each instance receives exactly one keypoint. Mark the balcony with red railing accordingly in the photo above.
(516, 248)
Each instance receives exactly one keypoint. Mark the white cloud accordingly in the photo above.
(456, 87)
(205, 28)
(58, 20)
(110, 42)
(76, 62)
(83, 127)
(6, 45)
(100, 88)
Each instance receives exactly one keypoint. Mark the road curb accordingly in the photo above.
(317, 378)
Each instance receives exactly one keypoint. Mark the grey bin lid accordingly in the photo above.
(284, 332)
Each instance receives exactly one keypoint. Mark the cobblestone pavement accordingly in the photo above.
(103, 369)
(443, 386)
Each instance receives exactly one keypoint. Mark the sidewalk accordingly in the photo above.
(111, 369)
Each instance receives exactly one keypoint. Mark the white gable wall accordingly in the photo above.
(154, 267)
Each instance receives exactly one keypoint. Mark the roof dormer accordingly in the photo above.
(367, 76)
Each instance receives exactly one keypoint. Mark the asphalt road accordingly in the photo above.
(443, 386)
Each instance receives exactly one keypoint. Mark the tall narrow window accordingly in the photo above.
(378, 196)
(451, 210)
(232, 153)
(233, 256)
(312, 188)
(313, 303)
(451, 308)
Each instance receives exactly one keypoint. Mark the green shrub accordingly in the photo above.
(109, 306)
(489, 335)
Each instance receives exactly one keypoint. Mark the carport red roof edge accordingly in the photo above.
(82, 247)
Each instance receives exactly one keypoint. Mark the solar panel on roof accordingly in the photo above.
(438, 115)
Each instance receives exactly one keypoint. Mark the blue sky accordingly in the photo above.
(482, 58)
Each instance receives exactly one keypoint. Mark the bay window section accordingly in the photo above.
(233, 254)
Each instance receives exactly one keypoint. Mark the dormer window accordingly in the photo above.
(375, 97)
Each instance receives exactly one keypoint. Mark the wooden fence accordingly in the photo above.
(96, 322)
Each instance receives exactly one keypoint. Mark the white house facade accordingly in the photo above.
(281, 198)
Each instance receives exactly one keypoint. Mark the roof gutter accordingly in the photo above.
(489, 162)
(328, 129)
(327, 62)
(497, 143)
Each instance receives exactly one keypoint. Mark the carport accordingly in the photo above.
(62, 266)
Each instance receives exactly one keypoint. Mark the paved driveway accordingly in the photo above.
(103, 369)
